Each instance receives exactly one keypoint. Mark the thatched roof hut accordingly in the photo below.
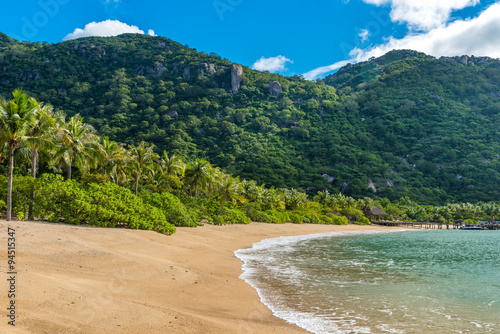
(375, 213)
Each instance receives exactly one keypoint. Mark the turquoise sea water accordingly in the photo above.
(404, 282)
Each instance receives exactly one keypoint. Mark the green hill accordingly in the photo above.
(435, 121)
(404, 124)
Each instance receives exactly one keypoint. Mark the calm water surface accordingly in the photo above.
(405, 282)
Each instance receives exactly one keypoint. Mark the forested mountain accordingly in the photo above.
(405, 124)
(434, 121)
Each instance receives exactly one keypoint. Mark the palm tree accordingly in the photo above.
(141, 163)
(294, 198)
(78, 145)
(41, 136)
(169, 171)
(109, 153)
(197, 175)
(273, 199)
(323, 197)
(230, 189)
(172, 165)
(251, 191)
(120, 168)
(366, 203)
(16, 122)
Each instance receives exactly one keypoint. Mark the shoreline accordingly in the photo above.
(81, 279)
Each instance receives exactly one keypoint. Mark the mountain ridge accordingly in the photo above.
(343, 133)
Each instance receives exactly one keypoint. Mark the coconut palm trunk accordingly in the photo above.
(196, 194)
(136, 184)
(9, 184)
(222, 205)
(34, 157)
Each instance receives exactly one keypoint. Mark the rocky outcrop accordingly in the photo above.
(484, 60)
(175, 68)
(202, 69)
(159, 70)
(371, 185)
(78, 47)
(343, 187)
(236, 77)
(275, 88)
(140, 71)
(162, 45)
(173, 113)
(186, 74)
(28, 76)
(211, 68)
(464, 60)
(329, 178)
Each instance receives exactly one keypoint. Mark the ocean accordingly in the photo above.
(434, 281)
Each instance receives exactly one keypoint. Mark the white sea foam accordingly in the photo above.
(260, 254)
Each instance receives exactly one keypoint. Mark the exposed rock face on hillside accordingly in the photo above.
(173, 113)
(371, 185)
(186, 75)
(329, 178)
(275, 88)
(236, 76)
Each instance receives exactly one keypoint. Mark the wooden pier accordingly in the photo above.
(421, 225)
(435, 225)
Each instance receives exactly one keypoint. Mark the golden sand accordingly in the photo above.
(77, 279)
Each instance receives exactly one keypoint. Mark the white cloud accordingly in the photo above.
(151, 32)
(479, 36)
(104, 28)
(272, 64)
(364, 35)
(423, 14)
(311, 75)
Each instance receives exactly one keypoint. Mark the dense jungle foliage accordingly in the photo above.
(403, 125)
(109, 185)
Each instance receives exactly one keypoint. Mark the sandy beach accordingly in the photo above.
(78, 279)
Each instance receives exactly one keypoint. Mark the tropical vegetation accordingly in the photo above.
(171, 192)
(402, 125)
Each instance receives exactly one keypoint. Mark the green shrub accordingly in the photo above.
(277, 217)
(231, 216)
(104, 205)
(311, 218)
(339, 220)
(206, 206)
(94, 178)
(295, 218)
(259, 216)
(363, 221)
(325, 220)
(174, 210)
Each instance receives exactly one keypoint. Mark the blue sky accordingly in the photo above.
(290, 37)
